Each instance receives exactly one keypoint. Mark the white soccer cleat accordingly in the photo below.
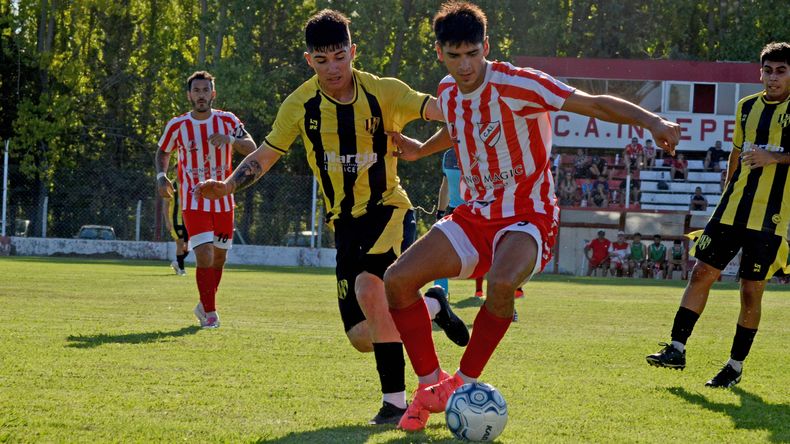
(212, 320)
(174, 266)
(200, 314)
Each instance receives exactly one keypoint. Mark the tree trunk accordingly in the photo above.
(221, 24)
(202, 35)
(397, 52)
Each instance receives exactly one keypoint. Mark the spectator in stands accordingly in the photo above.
(581, 165)
(635, 185)
(698, 201)
(633, 154)
(597, 252)
(599, 196)
(599, 168)
(679, 168)
(657, 258)
(637, 260)
(713, 158)
(678, 260)
(650, 155)
(556, 161)
(618, 256)
(569, 191)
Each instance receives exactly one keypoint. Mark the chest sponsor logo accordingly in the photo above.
(349, 163)
(494, 180)
(490, 132)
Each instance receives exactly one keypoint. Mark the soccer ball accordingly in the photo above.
(476, 412)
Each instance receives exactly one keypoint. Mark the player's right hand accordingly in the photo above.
(165, 188)
(408, 148)
(211, 189)
(666, 134)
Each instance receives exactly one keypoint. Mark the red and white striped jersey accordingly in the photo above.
(502, 135)
(198, 160)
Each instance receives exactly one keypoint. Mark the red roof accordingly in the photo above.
(624, 69)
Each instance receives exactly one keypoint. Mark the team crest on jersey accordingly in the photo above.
(784, 120)
(372, 124)
(191, 146)
(490, 132)
(704, 242)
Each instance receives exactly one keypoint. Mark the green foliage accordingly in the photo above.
(98, 79)
(108, 351)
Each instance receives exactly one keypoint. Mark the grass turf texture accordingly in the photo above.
(109, 351)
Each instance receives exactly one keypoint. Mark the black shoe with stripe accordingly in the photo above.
(453, 326)
(668, 357)
(726, 378)
(388, 414)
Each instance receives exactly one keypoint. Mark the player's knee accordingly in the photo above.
(359, 337)
(397, 281)
(501, 286)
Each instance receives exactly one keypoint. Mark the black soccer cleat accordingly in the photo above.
(726, 378)
(453, 326)
(668, 357)
(388, 414)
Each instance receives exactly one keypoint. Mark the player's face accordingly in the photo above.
(776, 80)
(466, 63)
(201, 95)
(333, 67)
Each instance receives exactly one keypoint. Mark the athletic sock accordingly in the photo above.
(487, 331)
(466, 379)
(396, 399)
(430, 378)
(433, 306)
(478, 284)
(206, 287)
(414, 325)
(683, 324)
(217, 278)
(180, 259)
(736, 365)
(742, 342)
(391, 367)
(679, 346)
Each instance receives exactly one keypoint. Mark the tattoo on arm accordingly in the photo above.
(247, 174)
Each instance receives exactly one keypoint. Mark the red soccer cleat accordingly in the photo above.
(479, 294)
(416, 415)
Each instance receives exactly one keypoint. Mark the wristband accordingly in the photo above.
(232, 140)
(161, 175)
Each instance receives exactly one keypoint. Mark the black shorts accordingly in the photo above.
(369, 243)
(719, 243)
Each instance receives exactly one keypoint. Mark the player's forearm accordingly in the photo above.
(245, 145)
(252, 168)
(732, 164)
(162, 161)
(613, 109)
(438, 142)
(444, 195)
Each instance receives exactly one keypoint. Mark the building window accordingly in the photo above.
(679, 97)
(726, 99)
(691, 97)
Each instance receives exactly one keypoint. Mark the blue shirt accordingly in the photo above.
(453, 173)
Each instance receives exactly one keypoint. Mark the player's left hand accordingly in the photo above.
(408, 148)
(758, 158)
(666, 134)
(218, 139)
(211, 189)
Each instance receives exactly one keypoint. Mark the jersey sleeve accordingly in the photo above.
(529, 91)
(405, 103)
(238, 130)
(737, 136)
(168, 140)
(286, 126)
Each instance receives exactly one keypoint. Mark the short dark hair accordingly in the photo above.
(327, 30)
(637, 234)
(775, 52)
(200, 75)
(656, 236)
(460, 22)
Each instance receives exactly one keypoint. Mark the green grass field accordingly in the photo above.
(96, 351)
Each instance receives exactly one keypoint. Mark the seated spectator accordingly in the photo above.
(581, 165)
(618, 256)
(635, 185)
(650, 155)
(569, 191)
(698, 201)
(597, 252)
(599, 196)
(657, 258)
(633, 154)
(713, 158)
(637, 260)
(678, 260)
(598, 167)
(679, 168)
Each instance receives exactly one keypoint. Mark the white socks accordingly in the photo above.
(397, 399)
(679, 346)
(433, 306)
(467, 379)
(736, 365)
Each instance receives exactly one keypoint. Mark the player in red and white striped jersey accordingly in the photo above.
(204, 139)
(498, 122)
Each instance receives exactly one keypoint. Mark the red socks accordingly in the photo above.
(487, 331)
(414, 326)
(207, 287)
(217, 278)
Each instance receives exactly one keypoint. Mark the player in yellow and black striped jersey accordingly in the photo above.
(178, 231)
(343, 116)
(752, 216)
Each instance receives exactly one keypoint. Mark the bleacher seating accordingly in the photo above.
(678, 193)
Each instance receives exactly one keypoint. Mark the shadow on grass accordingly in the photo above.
(353, 435)
(129, 338)
(753, 413)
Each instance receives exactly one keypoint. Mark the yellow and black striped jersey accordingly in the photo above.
(759, 198)
(347, 149)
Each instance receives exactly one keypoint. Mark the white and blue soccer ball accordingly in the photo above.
(476, 412)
